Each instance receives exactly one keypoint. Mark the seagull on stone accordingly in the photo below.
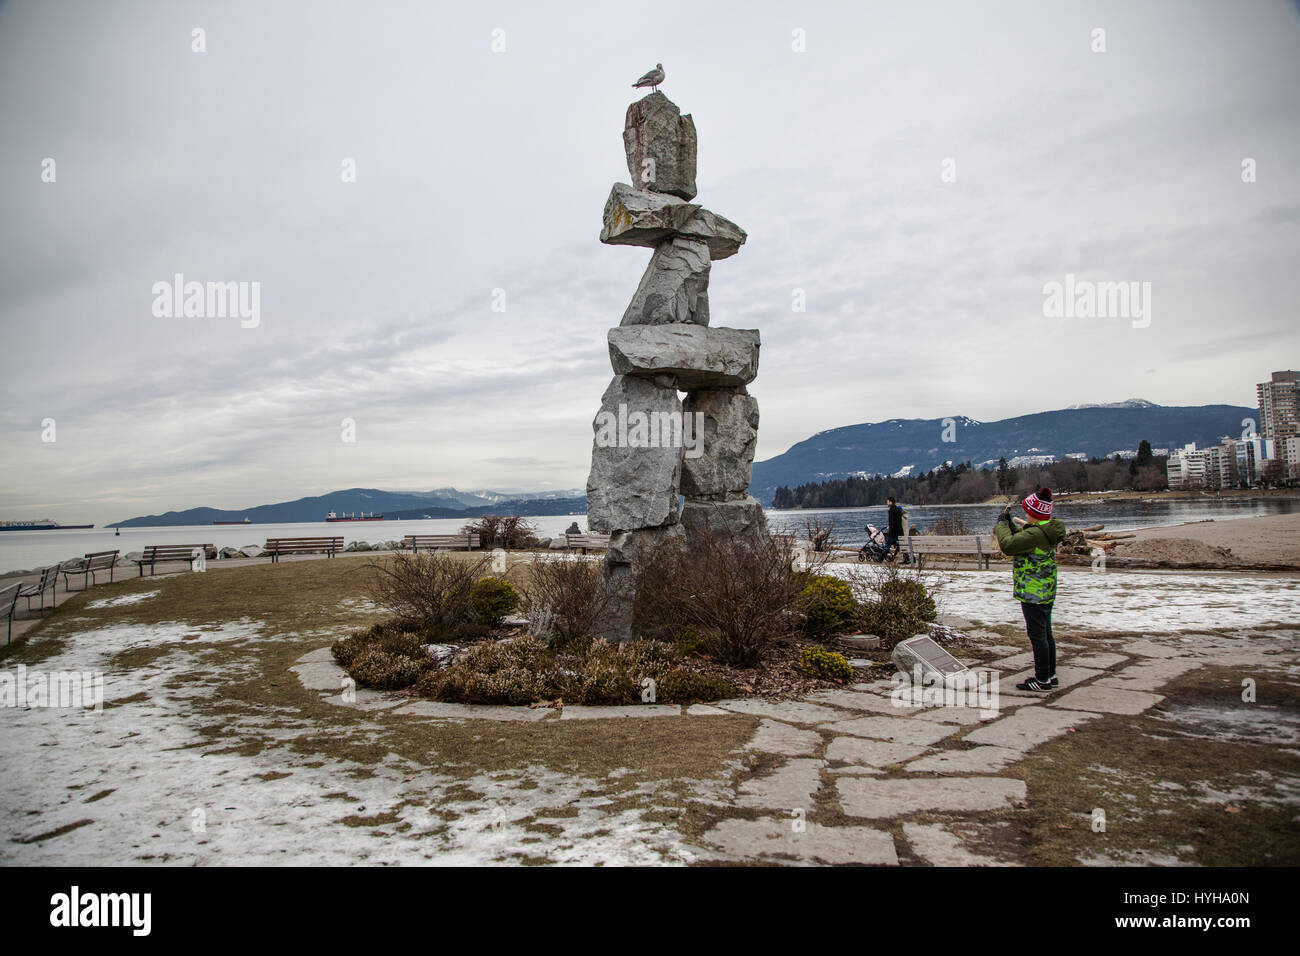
(651, 79)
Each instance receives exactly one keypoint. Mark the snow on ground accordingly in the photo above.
(122, 601)
(173, 799)
(1123, 600)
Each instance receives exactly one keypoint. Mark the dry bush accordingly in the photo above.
(431, 594)
(740, 595)
(897, 603)
(565, 600)
(951, 524)
(820, 532)
(512, 532)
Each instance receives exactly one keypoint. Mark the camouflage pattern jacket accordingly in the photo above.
(1034, 548)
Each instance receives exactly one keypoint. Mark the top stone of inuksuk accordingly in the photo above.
(650, 447)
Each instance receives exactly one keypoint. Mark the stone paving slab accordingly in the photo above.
(789, 787)
(1149, 648)
(1153, 673)
(1068, 674)
(986, 759)
(902, 730)
(880, 798)
(774, 737)
(817, 844)
(964, 716)
(858, 700)
(366, 699)
(1015, 662)
(791, 711)
(321, 655)
(1028, 727)
(320, 676)
(435, 708)
(1107, 700)
(585, 712)
(872, 753)
(937, 845)
(1101, 661)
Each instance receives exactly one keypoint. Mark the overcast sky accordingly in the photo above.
(479, 170)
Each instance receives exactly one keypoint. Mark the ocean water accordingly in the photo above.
(1116, 516)
(25, 550)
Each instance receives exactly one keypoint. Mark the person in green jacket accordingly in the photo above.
(1034, 578)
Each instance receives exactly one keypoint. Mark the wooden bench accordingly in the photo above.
(91, 565)
(9, 605)
(162, 553)
(943, 545)
(586, 542)
(279, 546)
(432, 542)
(49, 582)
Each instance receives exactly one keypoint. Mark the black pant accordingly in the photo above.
(1038, 622)
(891, 544)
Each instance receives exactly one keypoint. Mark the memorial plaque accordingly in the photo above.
(923, 651)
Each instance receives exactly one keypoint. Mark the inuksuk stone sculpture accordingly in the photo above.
(651, 448)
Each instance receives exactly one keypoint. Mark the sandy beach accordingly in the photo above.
(1271, 540)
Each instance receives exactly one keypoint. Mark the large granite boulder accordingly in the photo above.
(634, 477)
(730, 434)
(636, 217)
(675, 287)
(626, 556)
(695, 356)
(660, 146)
(740, 519)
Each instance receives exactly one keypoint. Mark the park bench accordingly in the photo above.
(49, 582)
(432, 542)
(9, 605)
(279, 546)
(586, 542)
(161, 553)
(89, 566)
(950, 545)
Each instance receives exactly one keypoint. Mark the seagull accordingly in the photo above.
(651, 79)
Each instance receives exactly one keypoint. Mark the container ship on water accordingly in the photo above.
(44, 524)
(354, 517)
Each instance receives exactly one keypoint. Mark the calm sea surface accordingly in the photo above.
(24, 550)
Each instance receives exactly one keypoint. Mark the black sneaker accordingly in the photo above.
(1035, 684)
(1054, 681)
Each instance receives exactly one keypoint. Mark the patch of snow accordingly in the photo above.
(122, 601)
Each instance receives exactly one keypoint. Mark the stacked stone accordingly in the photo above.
(664, 345)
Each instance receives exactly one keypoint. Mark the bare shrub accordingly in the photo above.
(820, 532)
(512, 532)
(740, 595)
(951, 524)
(896, 603)
(429, 593)
(565, 600)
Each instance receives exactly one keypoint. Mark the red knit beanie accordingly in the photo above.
(1039, 506)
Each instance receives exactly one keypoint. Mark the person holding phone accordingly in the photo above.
(1033, 578)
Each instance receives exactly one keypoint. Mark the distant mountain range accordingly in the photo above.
(898, 446)
(439, 503)
(913, 445)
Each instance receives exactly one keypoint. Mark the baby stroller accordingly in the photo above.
(874, 549)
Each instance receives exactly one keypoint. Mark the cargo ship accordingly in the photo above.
(44, 524)
(354, 517)
(245, 521)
